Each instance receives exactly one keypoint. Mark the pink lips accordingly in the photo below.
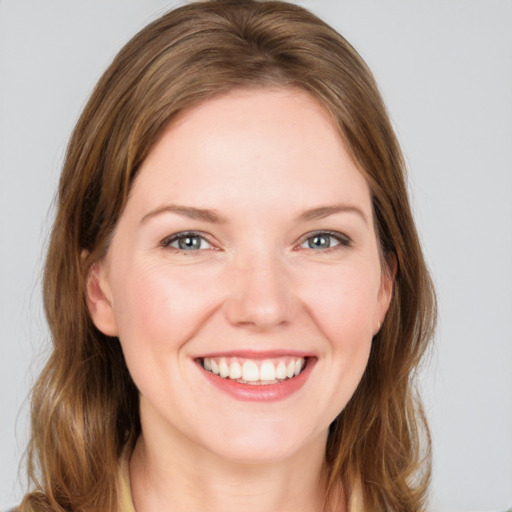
(259, 392)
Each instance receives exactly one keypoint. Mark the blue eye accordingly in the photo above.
(187, 242)
(324, 240)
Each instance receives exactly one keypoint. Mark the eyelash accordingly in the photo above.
(341, 239)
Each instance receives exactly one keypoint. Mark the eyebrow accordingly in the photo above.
(325, 211)
(190, 212)
(212, 217)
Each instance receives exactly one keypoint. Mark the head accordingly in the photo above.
(194, 54)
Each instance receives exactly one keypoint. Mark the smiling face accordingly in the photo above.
(244, 279)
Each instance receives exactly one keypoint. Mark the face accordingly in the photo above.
(244, 279)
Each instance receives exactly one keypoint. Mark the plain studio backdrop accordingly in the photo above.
(445, 70)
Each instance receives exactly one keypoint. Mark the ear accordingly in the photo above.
(99, 299)
(386, 289)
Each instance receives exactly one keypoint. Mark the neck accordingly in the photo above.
(174, 474)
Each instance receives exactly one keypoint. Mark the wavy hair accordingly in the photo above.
(85, 404)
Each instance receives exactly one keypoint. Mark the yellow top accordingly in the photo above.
(125, 491)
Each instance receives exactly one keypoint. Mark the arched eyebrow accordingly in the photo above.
(190, 212)
(212, 217)
(325, 211)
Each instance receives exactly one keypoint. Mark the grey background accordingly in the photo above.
(445, 69)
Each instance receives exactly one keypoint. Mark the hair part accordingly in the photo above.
(85, 404)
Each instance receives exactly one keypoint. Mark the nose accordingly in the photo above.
(261, 294)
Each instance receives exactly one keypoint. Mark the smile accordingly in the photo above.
(254, 371)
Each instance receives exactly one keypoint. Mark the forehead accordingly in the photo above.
(278, 143)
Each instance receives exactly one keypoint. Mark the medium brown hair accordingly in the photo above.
(85, 404)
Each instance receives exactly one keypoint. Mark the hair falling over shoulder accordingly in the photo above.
(85, 404)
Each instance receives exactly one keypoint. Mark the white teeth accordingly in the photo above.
(235, 371)
(223, 369)
(267, 371)
(253, 371)
(250, 372)
(281, 371)
(290, 369)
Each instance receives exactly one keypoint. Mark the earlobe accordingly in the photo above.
(99, 300)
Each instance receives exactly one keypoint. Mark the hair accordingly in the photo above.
(85, 408)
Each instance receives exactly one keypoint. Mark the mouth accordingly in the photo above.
(255, 372)
(257, 376)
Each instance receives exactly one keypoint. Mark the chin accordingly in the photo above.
(260, 445)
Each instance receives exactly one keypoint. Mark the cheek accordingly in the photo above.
(157, 313)
(343, 303)
(162, 306)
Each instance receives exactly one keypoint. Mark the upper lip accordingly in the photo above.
(256, 354)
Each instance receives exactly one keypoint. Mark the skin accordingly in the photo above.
(258, 160)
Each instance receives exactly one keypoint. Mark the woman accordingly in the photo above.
(234, 284)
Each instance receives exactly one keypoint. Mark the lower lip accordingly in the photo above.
(260, 392)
